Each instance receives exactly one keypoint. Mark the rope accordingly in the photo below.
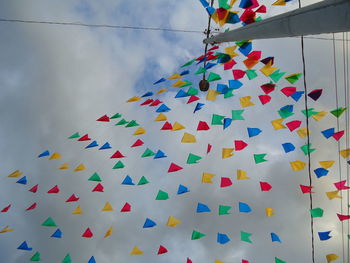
(97, 25)
(308, 143)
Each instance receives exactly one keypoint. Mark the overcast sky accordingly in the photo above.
(57, 80)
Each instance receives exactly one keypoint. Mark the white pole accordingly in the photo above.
(328, 16)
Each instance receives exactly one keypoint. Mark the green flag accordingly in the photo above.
(245, 236)
(213, 76)
(277, 260)
(95, 177)
(338, 112)
(200, 71)
(133, 123)
(75, 135)
(259, 158)
(49, 222)
(162, 195)
(293, 78)
(192, 158)
(122, 122)
(35, 257)
(116, 116)
(316, 212)
(196, 235)
(237, 115)
(306, 149)
(228, 94)
(119, 165)
(277, 75)
(188, 63)
(217, 119)
(192, 91)
(143, 181)
(285, 113)
(224, 209)
(223, 4)
(67, 259)
(147, 153)
(309, 112)
(251, 74)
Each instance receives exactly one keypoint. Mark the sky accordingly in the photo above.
(57, 80)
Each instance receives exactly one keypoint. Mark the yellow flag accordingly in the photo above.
(136, 251)
(227, 152)
(331, 257)
(267, 70)
(219, 261)
(80, 167)
(242, 175)
(207, 178)
(173, 222)
(188, 138)
(211, 95)
(245, 101)
(175, 76)
(109, 232)
(139, 131)
(55, 156)
(6, 229)
(161, 117)
(64, 166)
(135, 98)
(279, 2)
(326, 164)
(333, 194)
(107, 207)
(297, 165)
(77, 211)
(319, 115)
(177, 126)
(15, 174)
(269, 212)
(345, 153)
(179, 83)
(302, 132)
(161, 91)
(231, 51)
(277, 124)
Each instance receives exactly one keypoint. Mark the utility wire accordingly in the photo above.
(97, 25)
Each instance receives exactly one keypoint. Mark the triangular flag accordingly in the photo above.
(119, 165)
(98, 188)
(77, 211)
(227, 152)
(95, 177)
(74, 136)
(49, 222)
(161, 117)
(174, 168)
(107, 207)
(162, 195)
(80, 167)
(57, 233)
(55, 156)
(109, 232)
(137, 143)
(196, 235)
(136, 251)
(126, 207)
(36, 257)
(173, 222)
(87, 233)
(162, 250)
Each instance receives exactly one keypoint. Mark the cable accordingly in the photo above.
(97, 25)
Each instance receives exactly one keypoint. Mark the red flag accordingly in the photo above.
(34, 189)
(209, 148)
(104, 118)
(162, 250)
(261, 9)
(156, 103)
(229, 65)
(54, 190)
(137, 143)
(72, 198)
(33, 206)
(126, 208)
(192, 99)
(88, 233)
(189, 260)
(225, 182)
(338, 135)
(167, 126)
(98, 188)
(148, 101)
(343, 217)
(84, 138)
(174, 168)
(265, 186)
(268, 88)
(5, 209)
(306, 189)
(292, 125)
(117, 154)
(341, 185)
(202, 126)
(238, 73)
(240, 145)
(288, 91)
(264, 99)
